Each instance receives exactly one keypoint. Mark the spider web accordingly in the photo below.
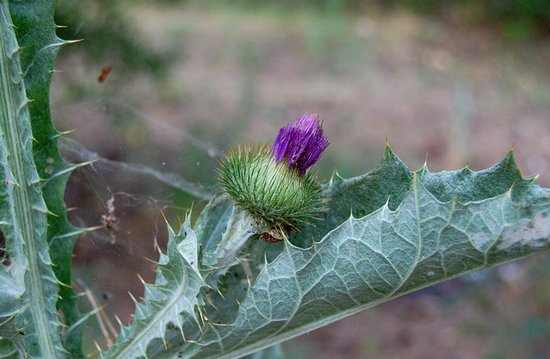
(128, 195)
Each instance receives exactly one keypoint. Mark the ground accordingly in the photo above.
(438, 92)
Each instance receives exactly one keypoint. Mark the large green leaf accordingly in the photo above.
(36, 33)
(386, 233)
(35, 325)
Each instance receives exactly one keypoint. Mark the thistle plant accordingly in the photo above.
(217, 293)
(276, 186)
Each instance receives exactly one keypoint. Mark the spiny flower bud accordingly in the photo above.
(274, 185)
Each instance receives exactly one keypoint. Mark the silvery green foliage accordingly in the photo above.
(171, 302)
(386, 233)
(30, 307)
(39, 240)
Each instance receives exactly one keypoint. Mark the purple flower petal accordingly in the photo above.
(301, 143)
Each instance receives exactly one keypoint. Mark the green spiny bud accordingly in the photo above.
(278, 197)
(274, 185)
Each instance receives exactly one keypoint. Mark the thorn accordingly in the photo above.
(388, 153)
(426, 160)
(203, 317)
(77, 232)
(66, 42)
(133, 298)
(37, 181)
(156, 245)
(15, 51)
(170, 230)
(178, 322)
(44, 210)
(120, 325)
(105, 324)
(24, 104)
(63, 284)
(141, 279)
(79, 294)
(69, 169)
(220, 293)
(150, 260)
(209, 300)
(62, 133)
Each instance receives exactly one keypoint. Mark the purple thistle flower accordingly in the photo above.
(301, 143)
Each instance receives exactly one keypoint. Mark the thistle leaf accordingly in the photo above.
(170, 306)
(33, 327)
(35, 32)
(393, 231)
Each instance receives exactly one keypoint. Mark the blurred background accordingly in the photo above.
(158, 90)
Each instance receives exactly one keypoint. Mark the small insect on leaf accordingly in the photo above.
(105, 71)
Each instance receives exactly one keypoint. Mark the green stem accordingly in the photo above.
(240, 229)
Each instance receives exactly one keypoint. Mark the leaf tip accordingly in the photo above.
(141, 279)
(16, 50)
(534, 179)
(388, 152)
(335, 177)
(133, 298)
(119, 322)
(62, 133)
(510, 158)
(67, 42)
(423, 169)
